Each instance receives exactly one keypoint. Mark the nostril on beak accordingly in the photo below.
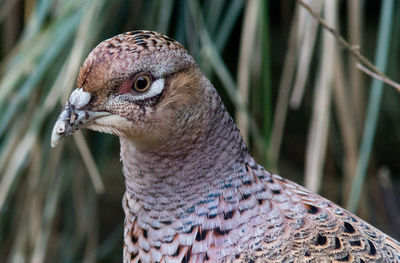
(60, 128)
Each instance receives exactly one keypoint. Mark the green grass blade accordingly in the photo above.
(382, 53)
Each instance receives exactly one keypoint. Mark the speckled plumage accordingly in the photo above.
(193, 192)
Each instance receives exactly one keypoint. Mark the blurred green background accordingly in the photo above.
(303, 107)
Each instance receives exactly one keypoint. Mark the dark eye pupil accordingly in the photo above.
(141, 83)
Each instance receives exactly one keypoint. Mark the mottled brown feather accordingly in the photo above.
(194, 193)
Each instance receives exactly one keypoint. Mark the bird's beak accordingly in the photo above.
(74, 116)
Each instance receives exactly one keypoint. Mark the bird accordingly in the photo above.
(193, 191)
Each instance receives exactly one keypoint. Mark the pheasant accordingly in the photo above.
(193, 191)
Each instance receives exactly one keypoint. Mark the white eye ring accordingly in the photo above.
(155, 89)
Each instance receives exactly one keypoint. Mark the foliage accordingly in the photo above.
(271, 62)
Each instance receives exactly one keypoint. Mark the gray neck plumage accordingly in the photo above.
(195, 163)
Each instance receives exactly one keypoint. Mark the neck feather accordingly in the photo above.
(195, 163)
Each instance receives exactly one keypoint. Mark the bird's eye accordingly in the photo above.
(141, 84)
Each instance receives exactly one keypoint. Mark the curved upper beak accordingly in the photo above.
(74, 116)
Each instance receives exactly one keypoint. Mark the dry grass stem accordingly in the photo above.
(89, 162)
(346, 125)
(354, 50)
(318, 131)
(379, 77)
(307, 35)
(245, 59)
(357, 91)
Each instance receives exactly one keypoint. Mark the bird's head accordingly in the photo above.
(141, 85)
